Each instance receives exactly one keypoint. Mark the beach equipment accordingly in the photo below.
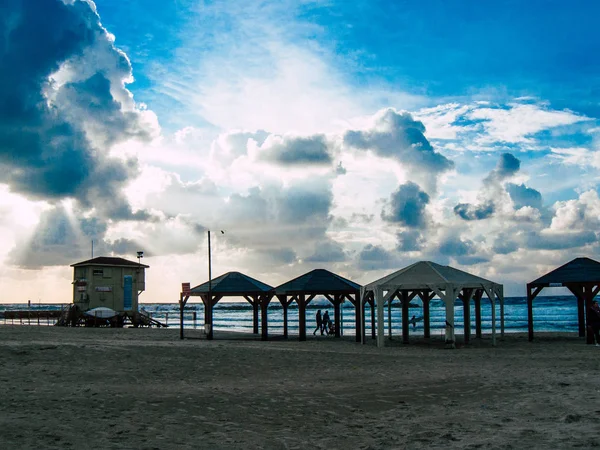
(303, 290)
(230, 284)
(101, 312)
(427, 279)
(581, 276)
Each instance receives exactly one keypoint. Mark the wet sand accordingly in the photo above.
(145, 389)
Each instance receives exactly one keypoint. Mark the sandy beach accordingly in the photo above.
(144, 388)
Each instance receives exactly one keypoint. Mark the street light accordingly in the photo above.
(210, 332)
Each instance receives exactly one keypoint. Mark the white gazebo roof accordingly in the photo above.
(426, 275)
(446, 282)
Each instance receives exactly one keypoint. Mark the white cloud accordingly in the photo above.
(518, 123)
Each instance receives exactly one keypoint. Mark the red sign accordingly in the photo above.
(185, 288)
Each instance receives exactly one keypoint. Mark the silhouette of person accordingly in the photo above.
(326, 321)
(413, 320)
(319, 323)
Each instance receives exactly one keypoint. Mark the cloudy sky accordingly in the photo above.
(355, 136)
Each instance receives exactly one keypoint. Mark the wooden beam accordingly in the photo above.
(357, 318)
(578, 293)
(373, 331)
(302, 317)
(255, 315)
(337, 314)
(466, 299)
(426, 298)
(477, 300)
(531, 294)
(264, 301)
(182, 303)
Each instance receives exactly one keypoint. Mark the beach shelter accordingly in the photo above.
(305, 288)
(428, 279)
(231, 284)
(582, 277)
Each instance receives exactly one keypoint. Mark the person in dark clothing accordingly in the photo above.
(319, 323)
(594, 321)
(326, 321)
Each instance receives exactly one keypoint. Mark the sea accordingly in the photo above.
(550, 313)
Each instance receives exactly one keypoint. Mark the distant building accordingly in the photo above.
(106, 281)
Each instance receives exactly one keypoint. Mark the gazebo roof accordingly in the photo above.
(580, 270)
(232, 283)
(424, 274)
(318, 281)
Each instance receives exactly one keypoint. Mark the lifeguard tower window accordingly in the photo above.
(98, 272)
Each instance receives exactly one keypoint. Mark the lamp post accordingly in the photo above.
(209, 334)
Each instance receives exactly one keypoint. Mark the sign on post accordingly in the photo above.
(185, 288)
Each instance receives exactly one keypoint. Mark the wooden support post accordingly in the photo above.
(337, 300)
(390, 318)
(302, 317)
(167, 318)
(194, 318)
(405, 303)
(478, 295)
(208, 318)
(581, 315)
(181, 306)
(357, 319)
(255, 315)
(467, 318)
(466, 300)
(373, 331)
(284, 305)
(264, 305)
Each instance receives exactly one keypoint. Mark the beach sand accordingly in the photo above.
(145, 389)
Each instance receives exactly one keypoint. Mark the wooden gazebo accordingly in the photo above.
(305, 288)
(580, 276)
(428, 279)
(231, 284)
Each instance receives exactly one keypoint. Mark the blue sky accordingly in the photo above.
(360, 136)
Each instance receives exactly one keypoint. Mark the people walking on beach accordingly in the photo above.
(326, 321)
(319, 323)
(594, 321)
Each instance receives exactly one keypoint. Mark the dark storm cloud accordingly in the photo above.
(305, 203)
(45, 151)
(507, 166)
(327, 251)
(467, 211)
(522, 196)
(55, 242)
(455, 246)
(503, 245)
(559, 241)
(291, 151)
(93, 101)
(399, 136)
(407, 206)
(374, 257)
(410, 241)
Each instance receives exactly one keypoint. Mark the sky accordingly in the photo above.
(359, 137)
